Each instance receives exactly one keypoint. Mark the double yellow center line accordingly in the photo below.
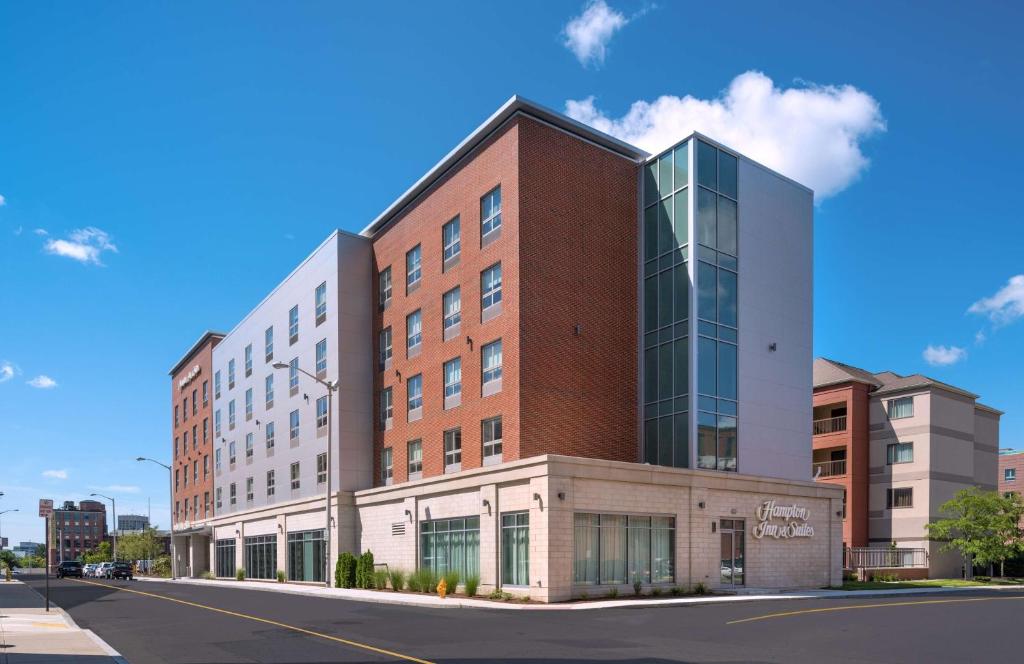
(301, 630)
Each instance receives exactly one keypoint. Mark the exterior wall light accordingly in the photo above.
(701, 504)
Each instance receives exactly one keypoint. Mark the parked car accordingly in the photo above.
(102, 572)
(88, 569)
(69, 568)
(120, 570)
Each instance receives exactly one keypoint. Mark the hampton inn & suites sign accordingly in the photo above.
(782, 521)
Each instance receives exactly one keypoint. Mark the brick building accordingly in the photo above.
(555, 372)
(75, 529)
(1011, 472)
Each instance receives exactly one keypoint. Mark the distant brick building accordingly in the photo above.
(75, 529)
(1011, 472)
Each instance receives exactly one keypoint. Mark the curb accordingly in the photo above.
(584, 606)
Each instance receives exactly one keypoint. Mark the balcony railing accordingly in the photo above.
(829, 468)
(830, 425)
(868, 557)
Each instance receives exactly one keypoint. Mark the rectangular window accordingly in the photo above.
(321, 412)
(321, 358)
(232, 495)
(261, 556)
(415, 459)
(231, 453)
(176, 415)
(450, 233)
(451, 545)
(1009, 474)
(248, 360)
(175, 447)
(270, 435)
(293, 324)
(321, 468)
(195, 402)
(293, 425)
(195, 471)
(249, 489)
(293, 376)
(216, 384)
(453, 449)
(384, 287)
(413, 332)
(453, 378)
(206, 467)
(225, 553)
(184, 442)
(385, 348)
(413, 267)
(184, 409)
(206, 504)
(452, 307)
(306, 556)
(491, 437)
(899, 498)
(491, 354)
(618, 549)
(415, 392)
(231, 374)
(387, 470)
(248, 404)
(295, 475)
(900, 408)
(899, 453)
(268, 344)
(515, 549)
(268, 388)
(490, 287)
(386, 407)
(216, 423)
(248, 445)
(195, 438)
(177, 477)
(231, 414)
(206, 393)
(270, 483)
(490, 212)
(216, 461)
(320, 298)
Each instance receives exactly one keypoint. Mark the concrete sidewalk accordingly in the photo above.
(31, 635)
(433, 601)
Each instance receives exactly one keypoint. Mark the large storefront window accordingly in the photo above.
(615, 548)
(451, 544)
(225, 557)
(515, 549)
(261, 556)
(306, 556)
(732, 551)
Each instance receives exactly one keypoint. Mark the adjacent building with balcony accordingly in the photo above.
(899, 446)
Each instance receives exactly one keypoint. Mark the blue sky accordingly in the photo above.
(182, 157)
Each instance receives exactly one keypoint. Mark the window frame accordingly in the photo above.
(891, 499)
(413, 268)
(494, 455)
(414, 469)
(490, 221)
(320, 303)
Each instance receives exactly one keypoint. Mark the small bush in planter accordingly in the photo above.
(364, 571)
(345, 571)
(380, 579)
(280, 576)
(655, 592)
(700, 589)
(637, 586)
(207, 574)
(613, 592)
(472, 582)
(397, 579)
(240, 574)
(451, 581)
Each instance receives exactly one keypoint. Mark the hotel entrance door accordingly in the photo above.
(731, 533)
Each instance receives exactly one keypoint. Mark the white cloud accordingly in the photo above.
(56, 474)
(980, 337)
(3, 201)
(85, 245)
(43, 382)
(117, 488)
(943, 356)
(7, 371)
(588, 34)
(811, 133)
(1006, 306)
(18, 230)
(41, 231)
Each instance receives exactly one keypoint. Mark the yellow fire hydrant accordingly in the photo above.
(442, 588)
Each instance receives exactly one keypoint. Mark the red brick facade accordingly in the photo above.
(189, 411)
(569, 303)
(853, 437)
(1015, 480)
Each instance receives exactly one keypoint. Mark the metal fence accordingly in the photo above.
(829, 468)
(869, 557)
(830, 425)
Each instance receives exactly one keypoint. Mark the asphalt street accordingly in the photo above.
(198, 624)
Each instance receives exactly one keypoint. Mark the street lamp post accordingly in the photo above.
(170, 509)
(1, 529)
(113, 509)
(332, 387)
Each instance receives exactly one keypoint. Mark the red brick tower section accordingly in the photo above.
(568, 251)
(192, 437)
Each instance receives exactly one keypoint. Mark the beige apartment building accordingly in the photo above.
(900, 446)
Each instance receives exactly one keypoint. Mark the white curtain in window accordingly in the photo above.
(586, 546)
(613, 549)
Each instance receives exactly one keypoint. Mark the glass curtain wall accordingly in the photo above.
(261, 556)
(717, 270)
(451, 545)
(619, 549)
(225, 557)
(515, 549)
(306, 556)
(666, 300)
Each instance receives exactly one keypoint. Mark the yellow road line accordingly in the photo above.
(870, 606)
(338, 639)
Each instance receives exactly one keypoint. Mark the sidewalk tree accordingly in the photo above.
(982, 525)
(98, 554)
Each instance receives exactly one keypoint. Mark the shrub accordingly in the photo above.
(613, 592)
(451, 581)
(240, 574)
(637, 586)
(162, 567)
(207, 574)
(584, 595)
(700, 589)
(498, 593)
(345, 571)
(676, 591)
(414, 582)
(364, 570)
(380, 579)
(430, 580)
(397, 579)
(471, 584)
(655, 592)
(280, 576)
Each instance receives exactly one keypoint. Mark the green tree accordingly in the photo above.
(98, 554)
(984, 526)
(8, 559)
(143, 545)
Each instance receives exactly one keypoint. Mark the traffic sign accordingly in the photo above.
(45, 506)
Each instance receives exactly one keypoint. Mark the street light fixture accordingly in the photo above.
(1, 514)
(113, 506)
(170, 507)
(332, 387)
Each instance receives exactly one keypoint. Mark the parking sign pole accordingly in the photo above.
(46, 522)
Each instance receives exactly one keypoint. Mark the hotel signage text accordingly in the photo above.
(189, 377)
(792, 517)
